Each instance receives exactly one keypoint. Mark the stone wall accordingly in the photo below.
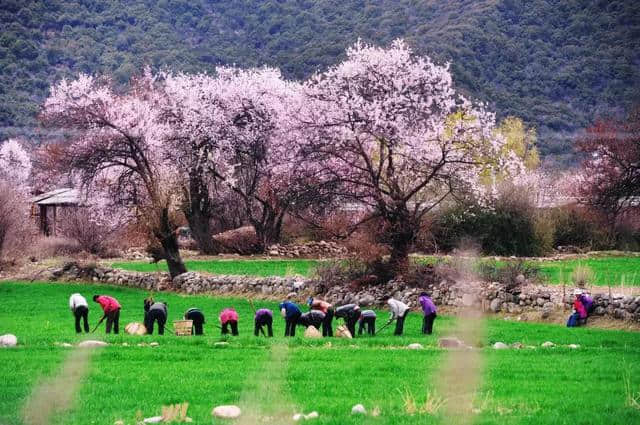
(490, 296)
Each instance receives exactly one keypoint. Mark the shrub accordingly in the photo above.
(47, 247)
(507, 273)
(85, 226)
(17, 230)
(582, 276)
(242, 241)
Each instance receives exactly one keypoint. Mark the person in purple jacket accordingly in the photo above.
(263, 317)
(429, 311)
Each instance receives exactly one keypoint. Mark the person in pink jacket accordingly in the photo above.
(111, 308)
(229, 317)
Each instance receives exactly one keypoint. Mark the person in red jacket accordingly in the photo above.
(111, 308)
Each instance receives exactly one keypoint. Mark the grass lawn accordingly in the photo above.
(275, 378)
(231, 267)
(606, 270)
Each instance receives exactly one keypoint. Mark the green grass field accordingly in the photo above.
(278, 377)
(606, 270)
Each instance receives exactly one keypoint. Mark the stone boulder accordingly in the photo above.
(495, 305)
(358, 409)
(8, 340)
(500, 346)
(548, 344)
(415, 346)
(92, 343)
(226, 412)
(343, 332)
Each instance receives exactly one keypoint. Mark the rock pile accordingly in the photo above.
(309, 250)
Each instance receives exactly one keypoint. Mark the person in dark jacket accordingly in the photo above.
(368, 319)
(197, 317)
(291, 313)
(350, 313)
(327, 309)
(157, 313)
(429, 311)
(313, 318)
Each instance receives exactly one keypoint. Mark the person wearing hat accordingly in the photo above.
(587, 302)
(327, 309)
(197, 317)
(429, 311)
(350, 313)
(368, 319)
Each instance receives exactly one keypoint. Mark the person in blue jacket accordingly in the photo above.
(291, 313)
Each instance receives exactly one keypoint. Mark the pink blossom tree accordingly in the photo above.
(236, 133)
(391, 128)
(119, 144)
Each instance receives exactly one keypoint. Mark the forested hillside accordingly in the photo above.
(557, 64)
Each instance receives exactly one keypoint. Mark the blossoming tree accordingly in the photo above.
(118, 144)
(391, 128)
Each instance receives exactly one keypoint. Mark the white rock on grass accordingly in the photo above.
(312, 415)
(66, 345)
(574, 346)
(500, 346)
(226, 412)
(92, 343)
(298, 417)
(153, 420)
(153, 344)
(8, 340)
(548, 344)
(358, 409)
(414, 346)
(220, 344)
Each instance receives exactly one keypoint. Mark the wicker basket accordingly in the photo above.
(183, 327)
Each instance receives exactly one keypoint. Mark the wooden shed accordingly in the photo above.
(46, 207)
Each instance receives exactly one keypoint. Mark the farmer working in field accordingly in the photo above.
(587, 302)
(291, 313)
(579, 313)
(350, 313)
(229, 318)
(111, 308)
(157, 313)
(197, 317)
(429, 311)
(399, 311)
(263, 317)
(327, 309)
(368, 319)
(313, 318)
(80, 309)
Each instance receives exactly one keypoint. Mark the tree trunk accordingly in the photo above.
(401, 236)
(269, 228)
(166, 235)
(198, 210)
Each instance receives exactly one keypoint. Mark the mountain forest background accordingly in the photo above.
(558, 65)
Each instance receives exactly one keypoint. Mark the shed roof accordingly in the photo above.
(58, 197)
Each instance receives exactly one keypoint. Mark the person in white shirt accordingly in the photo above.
(80, 309)
(399, 311)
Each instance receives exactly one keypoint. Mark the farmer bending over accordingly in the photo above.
(111, 309)
(350, 313)
(327, 309)
(229, 317)
(196, 316)
(263, 317)
(157, 313)
(368, 319)
(399, 311)
(80, 309)
(313, 318)
(429, 311)
(291, 313)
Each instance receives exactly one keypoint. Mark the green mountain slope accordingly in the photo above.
(557, 64)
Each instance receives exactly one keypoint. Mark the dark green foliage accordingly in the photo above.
(556, 64)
